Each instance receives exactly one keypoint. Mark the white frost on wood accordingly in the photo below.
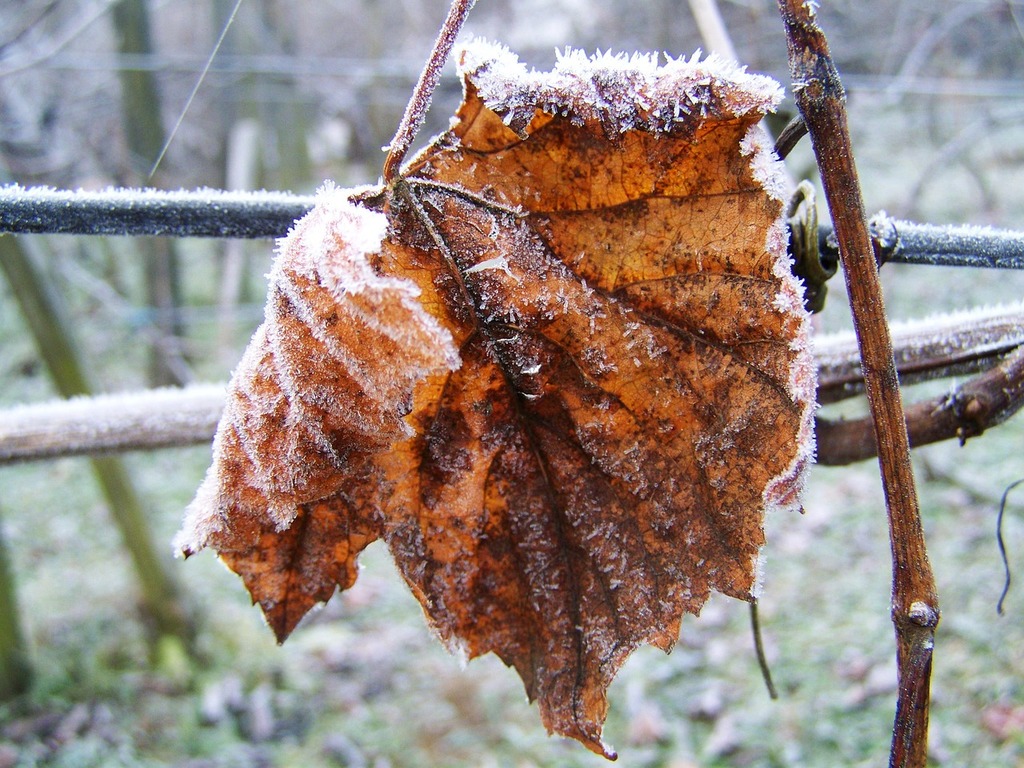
(622, 92)
(176, 417)
(158, 418)
(973, 332)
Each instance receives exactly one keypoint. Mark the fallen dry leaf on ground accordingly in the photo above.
(560, 366)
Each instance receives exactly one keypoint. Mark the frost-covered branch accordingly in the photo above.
(200, 213)
(939, 346)
(934, 347)
(161, 418)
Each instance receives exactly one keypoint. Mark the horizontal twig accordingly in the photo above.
(202, 213)
(161, 418)
(176, 417)
(966, 411)
(936, 347)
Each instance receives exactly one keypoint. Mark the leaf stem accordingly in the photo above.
(821, 100)
(419, 102)
(762, 659)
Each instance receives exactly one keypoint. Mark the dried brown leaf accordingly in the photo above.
(564, 386)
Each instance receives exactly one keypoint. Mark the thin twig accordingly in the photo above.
(419, 102)
(979, 134)
(795, 130)
(821, 100)
(83, 19)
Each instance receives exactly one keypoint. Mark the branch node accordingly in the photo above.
(923, 615)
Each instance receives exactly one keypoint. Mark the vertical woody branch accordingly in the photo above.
(915, 613)
(416, 109)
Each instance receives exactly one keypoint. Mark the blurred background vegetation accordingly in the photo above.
(303, 91)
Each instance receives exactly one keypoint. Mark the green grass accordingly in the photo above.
(364, 678)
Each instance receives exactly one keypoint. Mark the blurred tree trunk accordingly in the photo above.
(15, 667)
(289, 127)
(144, 133)
(45, 318)
(242, 167)
(239, 138)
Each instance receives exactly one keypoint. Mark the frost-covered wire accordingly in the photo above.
(199, 213)
(954, 246)
(907, 242)
(216, 213)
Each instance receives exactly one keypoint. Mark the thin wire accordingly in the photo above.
(1002, 545)
(195, 89)
(1016, 21)
(1004, 89)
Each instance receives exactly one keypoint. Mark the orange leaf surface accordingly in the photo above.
(560, 366)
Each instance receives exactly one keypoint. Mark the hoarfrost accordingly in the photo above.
(159, 417)
(959, 245)
(498, 262)
(622, 92)
(973, 332)
(331, 244)
(768, 170)
(783, 492)
(284, 408)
